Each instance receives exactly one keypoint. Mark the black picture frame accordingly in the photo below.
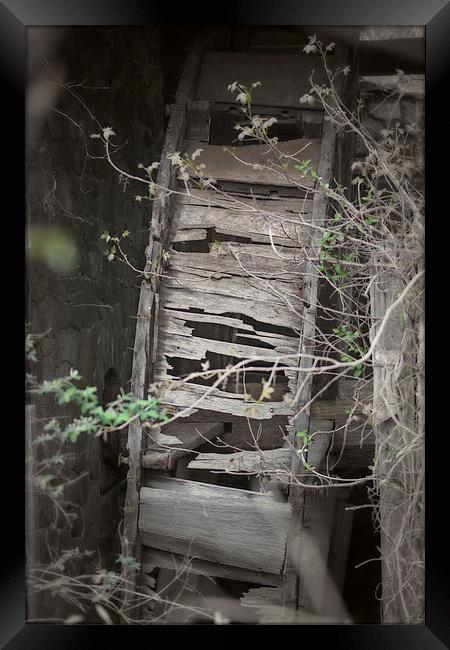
(15, 17)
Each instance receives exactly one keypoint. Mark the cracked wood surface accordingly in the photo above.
(217, 524)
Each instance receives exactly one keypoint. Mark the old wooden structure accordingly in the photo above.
(225, 282)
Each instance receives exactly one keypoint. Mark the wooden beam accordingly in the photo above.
(305, 568)
(185, 396)
(287, 229)
(212, 301)
(152, 558)
(214, 523)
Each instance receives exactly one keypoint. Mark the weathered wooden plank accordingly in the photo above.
(152, 558)
(253, 462)
(195, 347)
(268, 603)
(185, 316)
(284, 78)
(216, 524)
(287, 229)
(256, 289)
(256, 164)
(215, 303)
(295, 210)
(187, 395)
(194, 234)
(237, 263)
(278, 459)
(269, 301)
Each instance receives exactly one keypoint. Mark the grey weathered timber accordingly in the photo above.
(216, 303)
(173, 320)
(284, 77)
(295, 210)
(286, 229)
(253, 462)
(194, 347)
(393, 413)
(257, 462)
(190, 235)
(272, 292)
(310, 292)
(257, 164)
(300, 588)
(238, 262)
(193, 396)
(214, 523)
(152, 558)
(146, 327)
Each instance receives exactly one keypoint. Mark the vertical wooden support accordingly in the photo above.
(147, 318)
(301, 589)
(394, 420)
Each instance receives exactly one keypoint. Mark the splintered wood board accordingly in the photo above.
(214, 523)
(216, 299)
(288, 229)
(284, 78)
(152, 558)
(256, 164)
(193, 396)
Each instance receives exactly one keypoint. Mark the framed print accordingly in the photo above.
(227, 320)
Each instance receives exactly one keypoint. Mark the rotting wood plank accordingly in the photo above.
(268, 461)
(295, 210)
(152, 558)
(193, 396)
(257, 289)
(194, 347)
(215, 303)
(253, 462)
(214, 523)
(170, 316)
(286, 229)
(237, 263)
(194, 234)
(257, 164)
